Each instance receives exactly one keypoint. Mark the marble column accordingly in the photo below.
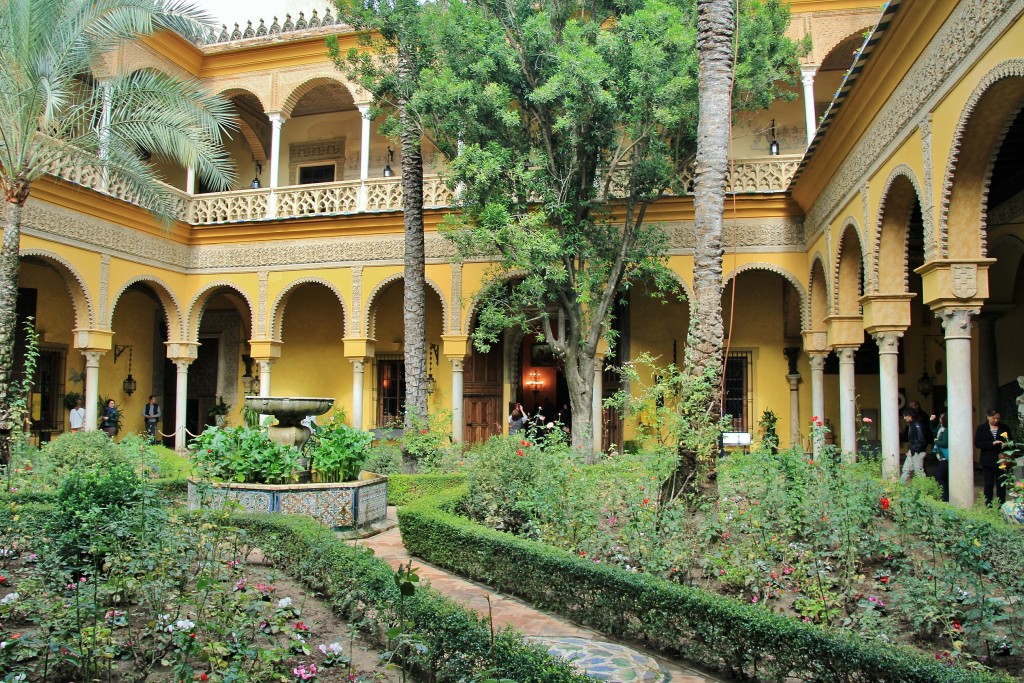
(794, 409)
(956, 322)
(807, 72)
(265, 365)
(458, 419)
(817, 361)
(190, 180)
(358, 375)
(276, 121)
(847, 403)
(364, 153)
(889, 401)
(180, 404)
(597, 410)
(92, 389)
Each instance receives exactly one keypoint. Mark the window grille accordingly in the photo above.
(390, 389)
(739, 390)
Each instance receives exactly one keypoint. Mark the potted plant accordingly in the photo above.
(71, 399)
(218, 412)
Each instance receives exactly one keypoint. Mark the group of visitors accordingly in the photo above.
(519, 419)
(924, 431)
(110, 418)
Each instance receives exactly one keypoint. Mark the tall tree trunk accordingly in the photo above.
(415, 299)
(715, 27)
(579, 378)
(9, 263)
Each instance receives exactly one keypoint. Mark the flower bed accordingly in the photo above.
(341, 506)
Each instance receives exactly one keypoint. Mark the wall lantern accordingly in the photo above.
(773, 148)
(387, 167)
(535, 384)
(256, 180)
(129, 384)
(432, 357)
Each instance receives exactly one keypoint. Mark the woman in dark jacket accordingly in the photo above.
(988, 439)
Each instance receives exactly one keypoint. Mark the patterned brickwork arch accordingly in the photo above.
(281, 302)
(230, 90)
(197, 306)
(81, 299)
(842, 279)
(168, 301)
(369, 318)
(894, 215)
(972, 153)
(805, 314)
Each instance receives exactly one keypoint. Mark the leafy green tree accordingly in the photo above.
(394, 52)
(57, 117)
(574, 120)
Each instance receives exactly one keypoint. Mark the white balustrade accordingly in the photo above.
(229, 207)
(323, 199)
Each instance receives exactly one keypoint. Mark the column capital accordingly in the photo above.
(359, 347)
(277, 118)
(888, 341)
(794, 381)
(92, 357)
(884, 312)
(93, 340)
(807, 73)
(817, 359)
(815, 341)
(457, 364)
(358, 364)
(364, 109)
(956, 321)
(264, 349)
(182, 350)
(182, 363)
(845, 330)
(846, 353)
(955, 282)
(792, 354)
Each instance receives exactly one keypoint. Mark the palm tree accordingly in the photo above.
(57, 118)
(716, 59)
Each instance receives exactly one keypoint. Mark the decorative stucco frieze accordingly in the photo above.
(455, 325)
(261, 304)
(927, 191)
(355, 318)
(104, 294)
(758, 232)
(969, 31)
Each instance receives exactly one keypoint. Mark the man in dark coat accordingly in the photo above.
(917, 445)
(989, 439)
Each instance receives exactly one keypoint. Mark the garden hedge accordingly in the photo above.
(357, 584)
(405, 488)
(708, 629)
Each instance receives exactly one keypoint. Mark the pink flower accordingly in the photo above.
(866, 420)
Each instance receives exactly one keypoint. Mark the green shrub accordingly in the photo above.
(405, 488)
(243, 455)
(384, 457)
(89, 450)
(92, 507)
(337, 451)
(717, 632)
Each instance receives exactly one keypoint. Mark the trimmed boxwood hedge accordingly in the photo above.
(405, 488)
(357, 584)
(715, 631)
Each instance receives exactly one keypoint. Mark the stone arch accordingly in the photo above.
(81, 300)
(368, 317)
(786, 275)
(983, 123)
(230, 91)
(304, 87)
(198, 305)
(168, 301)
(819, 293)
(889, 266)
(849, 271)
(281, 302)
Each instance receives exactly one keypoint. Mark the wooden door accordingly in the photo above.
(481, 394)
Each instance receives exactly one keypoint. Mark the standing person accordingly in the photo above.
(517, 420)
(917, 444)
(941, 450)
(109, 418)
(151, 415)
(78, 416)
(988, 439)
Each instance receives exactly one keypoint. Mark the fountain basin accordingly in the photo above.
(345, 506)
(289, 411)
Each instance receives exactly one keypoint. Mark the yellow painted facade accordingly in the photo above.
(900, 210)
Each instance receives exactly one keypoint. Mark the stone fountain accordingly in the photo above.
(289, 430)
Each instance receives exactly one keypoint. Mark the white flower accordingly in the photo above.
(9, 598)
(284, 603)
(184, 624)
(336, 648)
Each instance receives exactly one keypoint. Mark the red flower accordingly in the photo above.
(520, 452)
(884, 503)
(523, 443)
(423, 431)
(3, 580)
(204, 677)
(645, 501)
(28, 467)
(957, 626)
(884, 579)
(810, 462)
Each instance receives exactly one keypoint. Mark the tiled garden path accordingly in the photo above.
(601, 652)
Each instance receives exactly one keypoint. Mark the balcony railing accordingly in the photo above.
(749, 176)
